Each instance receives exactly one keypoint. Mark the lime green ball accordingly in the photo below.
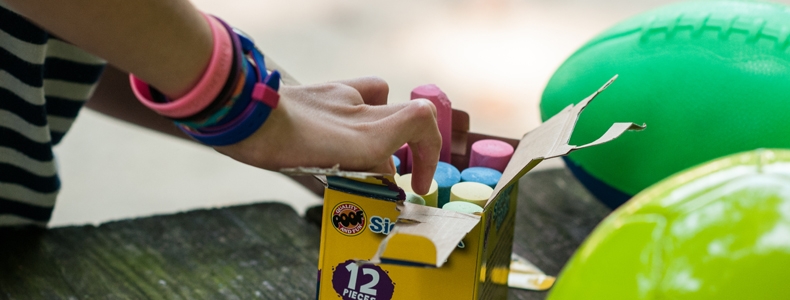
(718, 231)
(708, 78)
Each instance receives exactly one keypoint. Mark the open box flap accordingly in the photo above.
(445, 229)
(333, 171)
(375, 185)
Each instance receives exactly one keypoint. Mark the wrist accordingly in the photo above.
(208, 86)
(232, 99)
(190, 66)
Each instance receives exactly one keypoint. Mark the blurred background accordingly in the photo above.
(491, 57)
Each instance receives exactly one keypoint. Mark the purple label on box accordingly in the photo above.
(362, 282)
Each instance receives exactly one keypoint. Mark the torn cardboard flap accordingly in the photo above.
(424, 235)
(551, 139)
(446, 229)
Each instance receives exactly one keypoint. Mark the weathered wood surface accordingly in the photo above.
(260, 251)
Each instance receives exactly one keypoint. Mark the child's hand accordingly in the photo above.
(347, 123)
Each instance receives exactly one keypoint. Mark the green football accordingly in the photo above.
(718, 231)
(708, 78)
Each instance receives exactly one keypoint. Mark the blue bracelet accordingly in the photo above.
(241, 128)
(226, 114)
(263, 98)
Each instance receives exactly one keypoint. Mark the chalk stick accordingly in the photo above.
(463, 207)
(444, 115)
(472, 192)
(431, 198)
(414, 198)
(396, 161)
(405, 156)
(487, 176)
(446, 176)
(492, 154)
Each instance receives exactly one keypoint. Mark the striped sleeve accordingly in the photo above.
(43, 84)
(70, 77)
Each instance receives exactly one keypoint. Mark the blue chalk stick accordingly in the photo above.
(483, 175)
(446, 176)
(397, 163)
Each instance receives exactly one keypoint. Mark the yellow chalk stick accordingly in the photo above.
(431, 198)
(472, 192)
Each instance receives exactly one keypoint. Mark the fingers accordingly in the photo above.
(416, 125)
(363, 137)
(425, 150)
(373, 90)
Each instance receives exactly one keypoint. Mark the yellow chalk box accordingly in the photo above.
(375, 246)
(407, 267)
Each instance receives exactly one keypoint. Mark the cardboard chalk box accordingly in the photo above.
(375, 246)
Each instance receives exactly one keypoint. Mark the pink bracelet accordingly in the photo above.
(206, 89)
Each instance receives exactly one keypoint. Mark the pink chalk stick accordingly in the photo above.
(492, 154)
(444, 115)
(405, 158)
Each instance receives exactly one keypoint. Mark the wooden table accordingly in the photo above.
(260, 251)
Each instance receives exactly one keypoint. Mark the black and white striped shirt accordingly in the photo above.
(44, 82)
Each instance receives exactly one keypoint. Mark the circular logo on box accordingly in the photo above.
(349, 219)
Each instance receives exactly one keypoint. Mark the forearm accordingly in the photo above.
(114, 97)
(167, 43)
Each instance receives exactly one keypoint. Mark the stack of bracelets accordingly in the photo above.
(231, 100)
